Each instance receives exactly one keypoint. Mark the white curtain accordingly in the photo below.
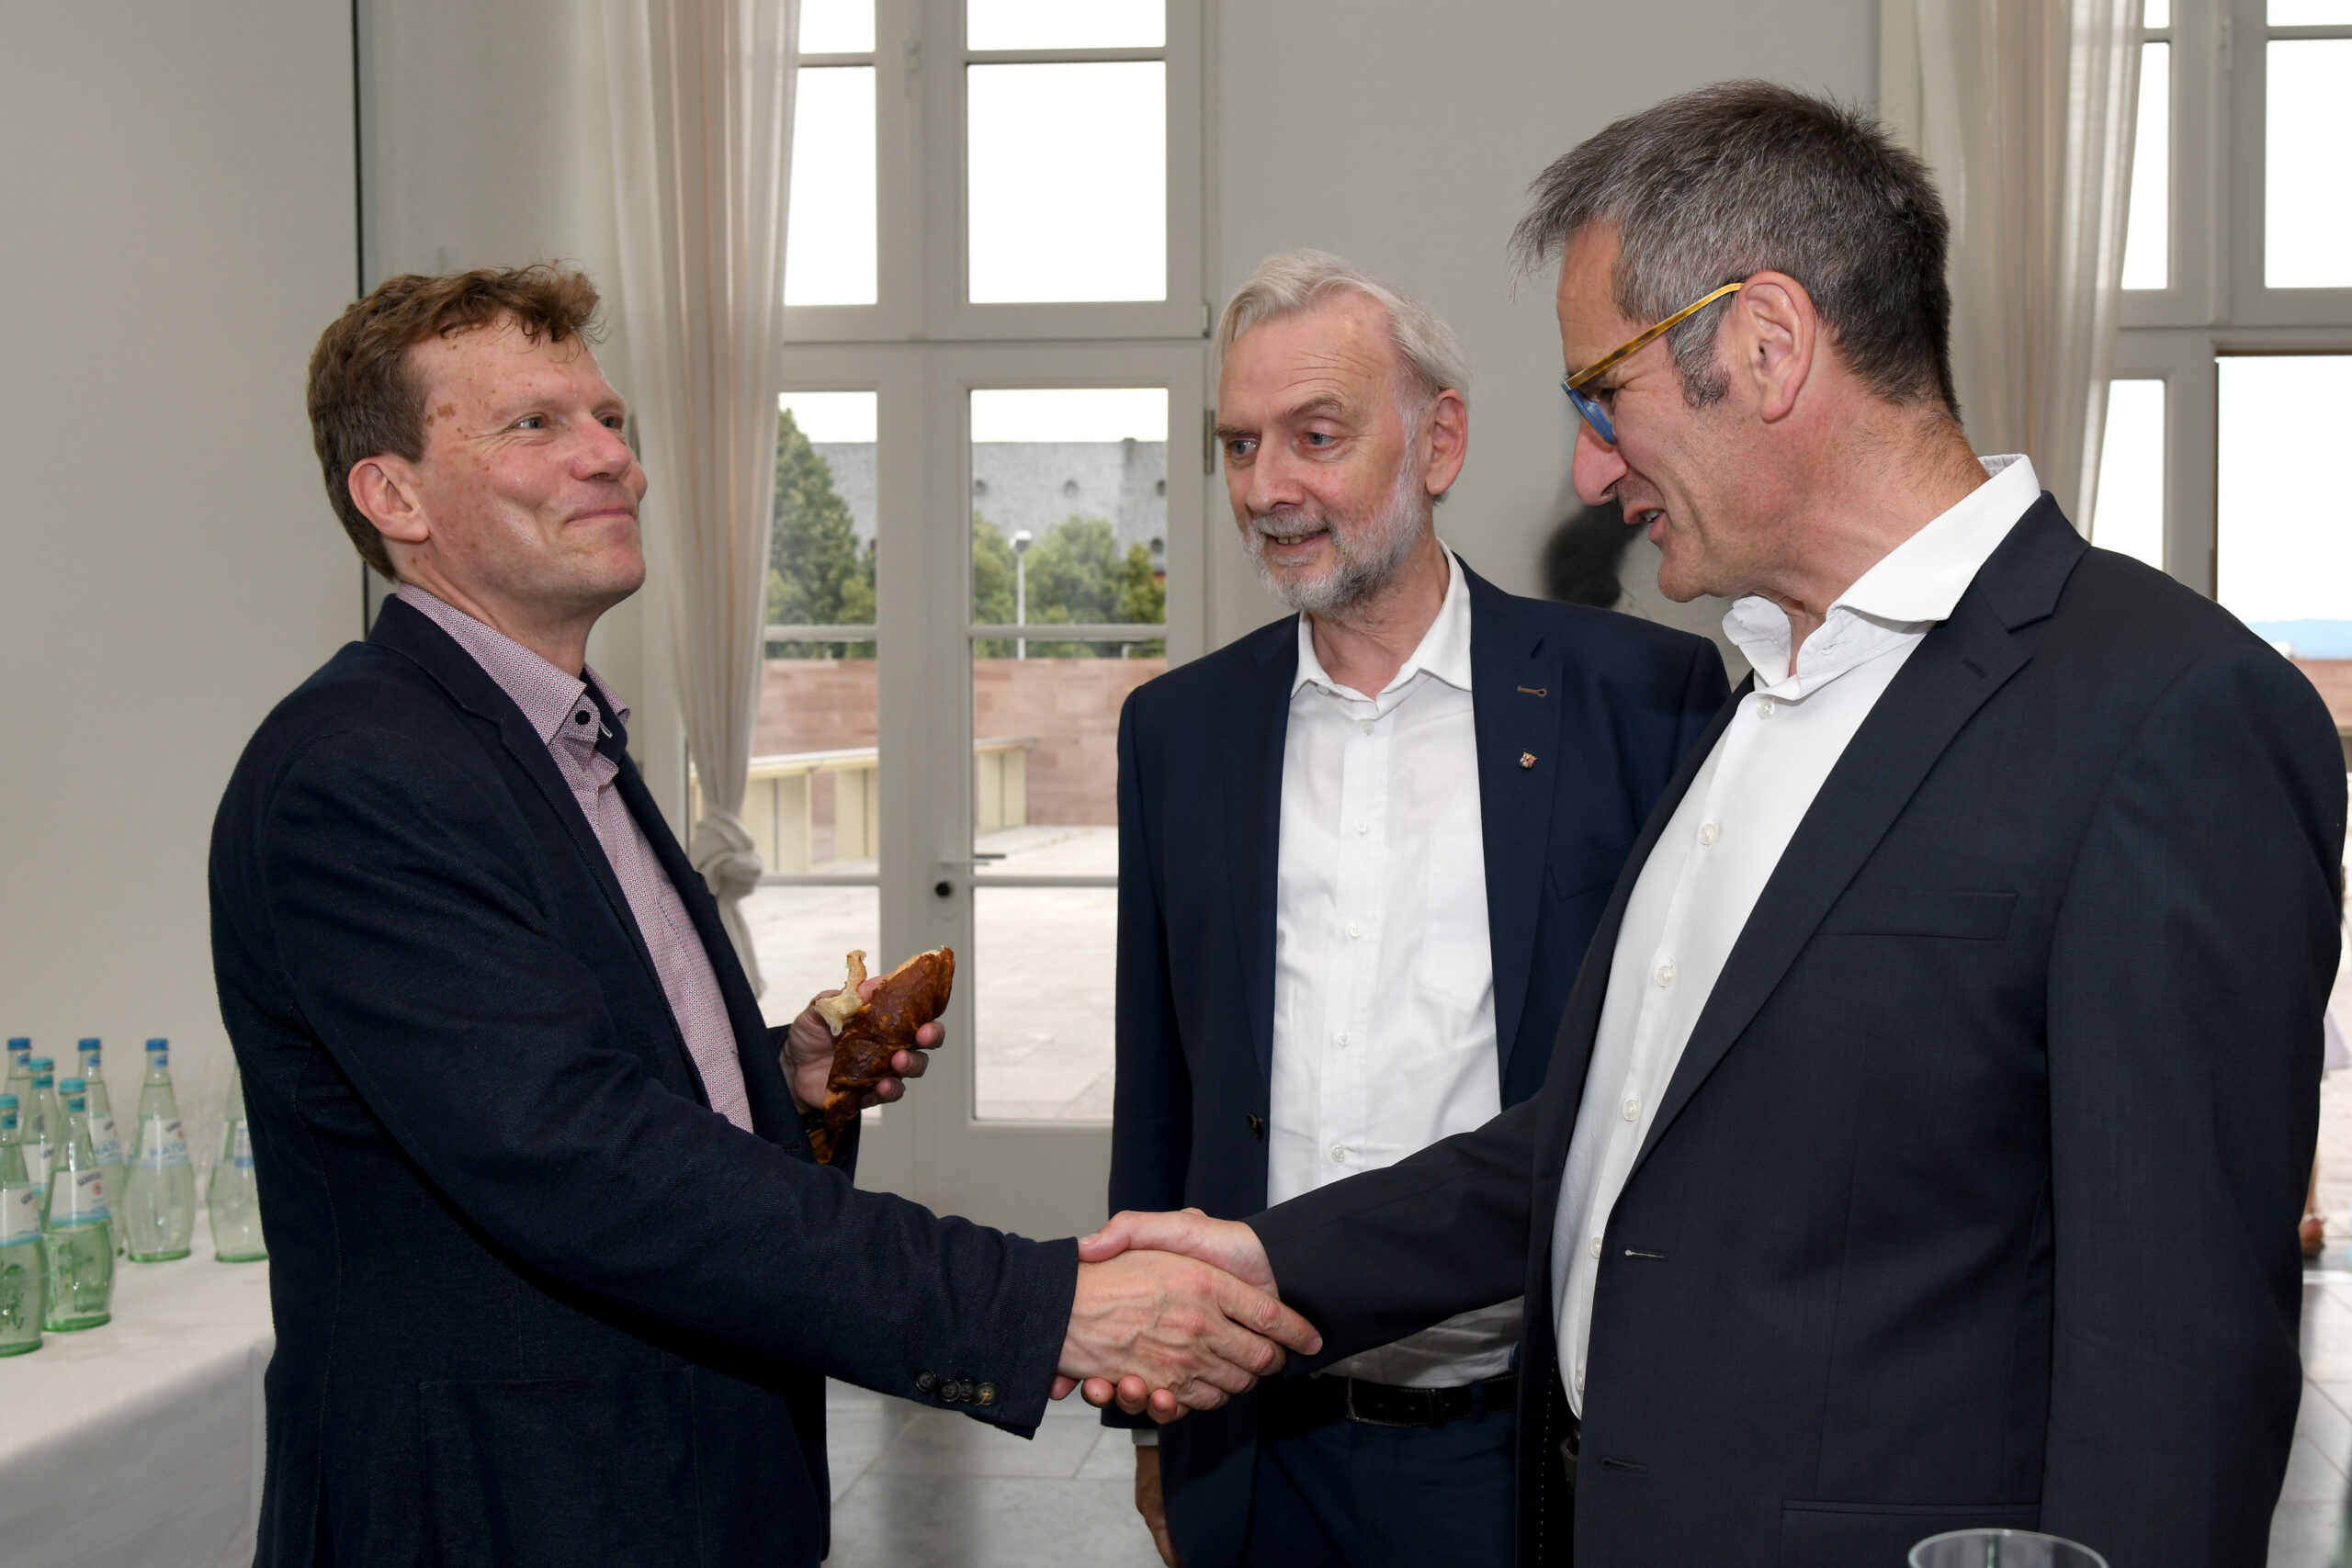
(701, 100)
(2025, 110)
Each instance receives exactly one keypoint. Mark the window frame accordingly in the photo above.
(2216, 303)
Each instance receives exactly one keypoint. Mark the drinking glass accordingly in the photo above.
(2002, 1549)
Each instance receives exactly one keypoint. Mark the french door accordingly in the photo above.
(1026, 522)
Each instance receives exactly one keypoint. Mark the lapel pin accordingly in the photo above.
(1537, 691)
(1527, 759)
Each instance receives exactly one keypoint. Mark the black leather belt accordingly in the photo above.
(1301, 1404)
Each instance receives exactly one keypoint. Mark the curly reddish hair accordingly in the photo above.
(365, 399)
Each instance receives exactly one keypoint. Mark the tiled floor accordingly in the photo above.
(928, 1489)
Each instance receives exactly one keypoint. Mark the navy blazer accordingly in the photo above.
(1606, 704)
(535, 1302)
(1972, 1201)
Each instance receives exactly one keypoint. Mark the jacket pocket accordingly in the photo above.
(1921, 911)
(561, 1471)
(1880, 1535)
(1582, 874)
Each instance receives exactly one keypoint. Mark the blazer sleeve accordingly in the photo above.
(1151, 1115)
(413, 947)
(1387, 1253)
(2191, 958)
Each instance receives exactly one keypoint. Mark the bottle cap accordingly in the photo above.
(20, 1042)
(40, 1062)
(88, 1042)
(73, 1086)
(7, 1102)
(157, 1044)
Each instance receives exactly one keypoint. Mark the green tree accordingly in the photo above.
(816, 573)
(1074, 574)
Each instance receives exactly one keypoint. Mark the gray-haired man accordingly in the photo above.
(1929, 1126)
(1360, 852)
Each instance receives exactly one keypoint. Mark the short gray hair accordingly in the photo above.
(1290, 282)
(1714, 186)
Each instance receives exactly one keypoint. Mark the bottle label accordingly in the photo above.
(162, 1150)
(19, 1216)
(241, 1147)
(81, 1201)
(107, 1140)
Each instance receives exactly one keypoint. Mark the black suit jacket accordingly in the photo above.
(1605, 705)
(536, 1303)
(1972, 1198)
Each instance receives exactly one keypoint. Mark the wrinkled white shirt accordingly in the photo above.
(1711, 864)
(1383, 1037)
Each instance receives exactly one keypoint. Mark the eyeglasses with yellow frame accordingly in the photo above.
(1589, 407)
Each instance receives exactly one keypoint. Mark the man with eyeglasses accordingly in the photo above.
(1928, 1128)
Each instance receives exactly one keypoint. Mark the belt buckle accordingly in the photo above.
(1371, 1420)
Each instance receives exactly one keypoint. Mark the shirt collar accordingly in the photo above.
(1443, 651)
(546, 694)
(1912, 586)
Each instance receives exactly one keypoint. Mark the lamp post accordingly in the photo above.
(1021, 589)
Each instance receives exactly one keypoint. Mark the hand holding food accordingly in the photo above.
(869, 1032)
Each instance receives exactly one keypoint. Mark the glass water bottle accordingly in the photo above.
(77, 1235)
(20, 1072)
(103, 1134)
(158, 1203)
(21, 1262)
(41, 1124)
(231, 1196)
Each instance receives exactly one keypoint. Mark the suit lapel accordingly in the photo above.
(1580, 1021)
(1254, 808)
(1956, 668)
(1515, 701)
(774, 1111)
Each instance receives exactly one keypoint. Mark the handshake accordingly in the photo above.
(1174, 1312)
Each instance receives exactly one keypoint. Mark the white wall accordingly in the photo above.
(485, 142)
(179, 228)
(1403, 135)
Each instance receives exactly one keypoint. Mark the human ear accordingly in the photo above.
(1776, 333)
(1448, 435)
(384, 490)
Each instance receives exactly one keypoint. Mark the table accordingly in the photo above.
(141, 1442)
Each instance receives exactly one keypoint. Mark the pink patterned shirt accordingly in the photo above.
(559, 711)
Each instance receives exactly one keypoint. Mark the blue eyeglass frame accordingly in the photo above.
(1588, 407)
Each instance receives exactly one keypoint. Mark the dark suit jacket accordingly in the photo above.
(1607, 706)
(1973, 1200)
(535, 1302)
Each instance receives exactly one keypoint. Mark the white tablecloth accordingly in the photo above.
(139, 1445)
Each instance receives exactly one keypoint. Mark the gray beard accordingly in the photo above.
(1369, 551)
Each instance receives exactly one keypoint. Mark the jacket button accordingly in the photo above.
(926, 1382)
(986, 1394)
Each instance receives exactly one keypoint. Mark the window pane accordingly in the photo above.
(2283, 546)
(2146, 261)
(1070, 514)
(2309, 13)
(2154, 14)
(840, 26)
(829, 241)
(1065, 24)
(803, 936)
(814, 799)
(2129, 515)
(1042, 1002)
(1067, 182)
(2307, 242)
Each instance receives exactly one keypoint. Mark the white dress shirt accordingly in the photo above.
(1698, 885)
(1384, 977)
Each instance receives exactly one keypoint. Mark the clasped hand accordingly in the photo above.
(1175, 1312)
